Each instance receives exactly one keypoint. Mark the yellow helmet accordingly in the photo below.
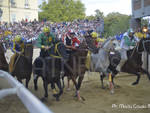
(94, 35)
(46, 29)
(17, 38)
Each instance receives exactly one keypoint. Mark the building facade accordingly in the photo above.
(16, 10)
(140, 8)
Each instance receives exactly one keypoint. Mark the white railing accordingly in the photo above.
(33, 104)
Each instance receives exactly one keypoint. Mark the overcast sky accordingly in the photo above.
(106, 6)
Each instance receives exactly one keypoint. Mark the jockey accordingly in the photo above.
(94, 35)
(18, 45)
(45, 40)
(128, 42)
(70, 41)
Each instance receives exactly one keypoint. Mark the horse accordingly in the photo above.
(134, 63)
(50, 69)
(23, 65)
(100, 56)
(3, 62)
(75, 66)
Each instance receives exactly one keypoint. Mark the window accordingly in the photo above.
(26, 4)
(13, 3)
(13, 17)
(1, 2)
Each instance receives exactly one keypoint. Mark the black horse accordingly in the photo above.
(50, 69)
(23, 65)
(134, 63)
(3, 62)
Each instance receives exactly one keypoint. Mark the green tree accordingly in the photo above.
(62, 10)
(99, 14)
(114, 23)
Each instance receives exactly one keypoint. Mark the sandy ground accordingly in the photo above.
(97, 100)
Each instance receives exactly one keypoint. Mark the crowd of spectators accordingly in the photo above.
(30, 30)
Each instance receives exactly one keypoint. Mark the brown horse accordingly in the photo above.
(3, 62)
(75, 67)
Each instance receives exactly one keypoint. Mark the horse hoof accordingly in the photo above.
(135, 83)
(112, 92)
(57, 98)
(103, 87)
(55, 95)
(75, 95)
(43, 99)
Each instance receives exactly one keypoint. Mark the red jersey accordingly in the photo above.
(75, 41)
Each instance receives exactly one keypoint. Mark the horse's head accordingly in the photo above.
(90, 44)
(144, 45)
(28, 51)
(109, 44)
(62, 50)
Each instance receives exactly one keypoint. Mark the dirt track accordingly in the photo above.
(97, 100)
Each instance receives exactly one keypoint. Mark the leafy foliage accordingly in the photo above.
(114, 23)
(62, 10)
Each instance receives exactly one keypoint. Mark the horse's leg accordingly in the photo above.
(63, 82)
(102, 82)
(68, 84)
(53, 89)
(76, 86)
(60, 90)
(35, 82)
(137, 80)
(19, 80)
(27, 81)
(146, 72)
(45, 85)
(80, 79)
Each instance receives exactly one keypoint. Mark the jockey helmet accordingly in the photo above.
(94, 35)
(46, 29)
(17, 38)
(130, 31)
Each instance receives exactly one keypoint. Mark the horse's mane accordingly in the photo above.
(106, 41)
(1, 48)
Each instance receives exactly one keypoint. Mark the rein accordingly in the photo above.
(136, 48)
(16, 61)
(56, 51)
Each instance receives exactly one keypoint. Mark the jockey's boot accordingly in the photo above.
(11, 63)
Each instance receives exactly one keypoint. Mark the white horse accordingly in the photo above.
(100, 61)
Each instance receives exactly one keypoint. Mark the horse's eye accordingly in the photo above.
(114, 44)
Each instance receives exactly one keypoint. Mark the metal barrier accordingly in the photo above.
(33, 104)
